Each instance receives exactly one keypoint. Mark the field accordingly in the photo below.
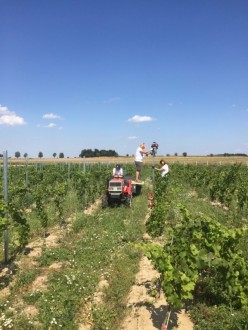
(73, 265)
(123, 160)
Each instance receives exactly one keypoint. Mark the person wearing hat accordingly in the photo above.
(117, 171)
(164, 169)
(140, 153)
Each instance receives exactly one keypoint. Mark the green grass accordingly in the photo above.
(24, 278)
(99, 246)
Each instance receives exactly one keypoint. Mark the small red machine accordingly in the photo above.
(119, 190)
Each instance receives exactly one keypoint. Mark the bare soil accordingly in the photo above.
(145, 312)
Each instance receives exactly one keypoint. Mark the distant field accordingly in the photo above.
(171, 159)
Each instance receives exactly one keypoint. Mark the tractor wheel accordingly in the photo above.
(104, 201)
(138, 189)
(128, 201)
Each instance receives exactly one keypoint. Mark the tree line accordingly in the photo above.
(87, 153)
(98, 153)
(84, 153)
(229, 155)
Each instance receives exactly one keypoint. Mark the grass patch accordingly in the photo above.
(98, 247)
(111, 313)
(50, 256)
(24, 278)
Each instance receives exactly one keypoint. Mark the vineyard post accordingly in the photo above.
(26, 173)
(68, 172)
(84, 164)
(153, 151)
(153, 174)
(5, 178)
(167, 318)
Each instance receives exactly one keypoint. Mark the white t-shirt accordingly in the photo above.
(139, 155)
(117, 172)
(165, 169)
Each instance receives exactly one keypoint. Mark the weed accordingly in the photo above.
(56, 254)
(32, 297)
(24, 278)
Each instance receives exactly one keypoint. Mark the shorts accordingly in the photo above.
(138, 166)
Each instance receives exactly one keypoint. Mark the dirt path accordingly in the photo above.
(147, 312)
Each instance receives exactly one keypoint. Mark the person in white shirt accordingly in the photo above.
(140, 153)
(117, 171)
(164, 169)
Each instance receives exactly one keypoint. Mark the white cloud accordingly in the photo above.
(132, 138)
(51, 125)
(9, 118)
(51, 116)
(140, 119)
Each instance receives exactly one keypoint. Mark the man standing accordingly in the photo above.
(140, 153)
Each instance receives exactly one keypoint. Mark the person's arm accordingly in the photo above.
(145, 152)
(164, 168)
(159, 169)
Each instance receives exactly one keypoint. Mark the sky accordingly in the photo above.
(111, 74)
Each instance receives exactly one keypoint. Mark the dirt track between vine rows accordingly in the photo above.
(145, 312)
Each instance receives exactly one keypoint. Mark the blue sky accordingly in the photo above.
(110, 74)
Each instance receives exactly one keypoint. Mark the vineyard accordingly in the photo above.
(201, 213)
(197, 241)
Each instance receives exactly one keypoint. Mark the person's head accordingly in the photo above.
(162, 162)
(117, 166)
(143, 145)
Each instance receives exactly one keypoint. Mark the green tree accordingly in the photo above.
(184, 154)
(25, 155)
(54, 154)
(17, 154)
(61, 155)
(98, 153)
(40, 154)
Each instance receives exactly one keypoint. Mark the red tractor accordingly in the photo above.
(119, 190)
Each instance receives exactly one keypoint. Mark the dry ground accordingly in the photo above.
(145, 311)
(207, 160)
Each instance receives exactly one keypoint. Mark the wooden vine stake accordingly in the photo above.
(167, 319)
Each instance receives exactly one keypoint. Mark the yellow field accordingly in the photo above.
(148, 160)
